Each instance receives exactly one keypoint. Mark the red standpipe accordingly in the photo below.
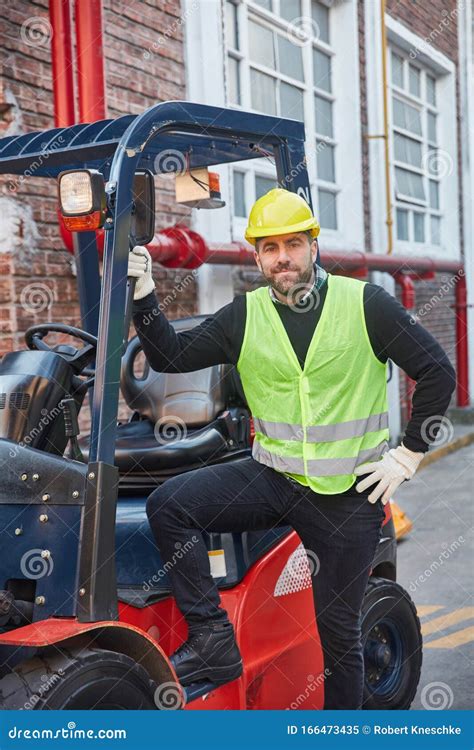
(90, 60)
(461, 341)
(408, 301)
(62, 63)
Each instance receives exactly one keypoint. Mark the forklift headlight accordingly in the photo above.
(82, 199)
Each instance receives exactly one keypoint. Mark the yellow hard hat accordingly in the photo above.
(280, 212)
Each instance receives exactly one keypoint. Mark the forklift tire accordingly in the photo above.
(392, 645)
(90, 678)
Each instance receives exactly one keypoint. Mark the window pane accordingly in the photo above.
(290, 59)
(405, 116)
(239, 194)
(431, 127)
(263, 92)
(409, 183)
(267, 4)
(320, 14)
(325, 161)
(434, 194)
(419, 227)
(402, 224)
(234, 81)
(397, 70)
(261, 45)
(431, 90)
(263, 185)
(291, 102)
(435, 230)
(414, 81)
(290, 9)
(321, 70)
(407, 150)
(327, 209)
(323, 115)
(231, 25)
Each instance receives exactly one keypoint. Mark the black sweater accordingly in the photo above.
(393, 334)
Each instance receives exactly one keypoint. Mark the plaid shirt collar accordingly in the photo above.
(320, 276)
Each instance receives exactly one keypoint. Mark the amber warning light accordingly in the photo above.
(82, 199)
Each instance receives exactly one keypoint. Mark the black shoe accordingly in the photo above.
(210, 653)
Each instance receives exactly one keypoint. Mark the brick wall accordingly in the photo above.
(143, 47)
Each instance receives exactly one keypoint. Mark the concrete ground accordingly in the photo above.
(436, 566)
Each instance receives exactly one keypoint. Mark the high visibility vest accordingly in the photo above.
(316, 423)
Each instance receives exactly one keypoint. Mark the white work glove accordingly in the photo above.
(139, 267)
(395, 466)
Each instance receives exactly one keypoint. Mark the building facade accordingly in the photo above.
(320, 61)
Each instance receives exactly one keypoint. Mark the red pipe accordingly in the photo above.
(63, 80)
(90, 60)
(408, 301)
(461, 342)
(62, 63)
(191, 249)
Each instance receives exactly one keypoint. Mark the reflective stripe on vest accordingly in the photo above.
(322, 433)
(322, 467)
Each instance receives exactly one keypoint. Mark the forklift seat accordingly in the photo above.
(180, 420)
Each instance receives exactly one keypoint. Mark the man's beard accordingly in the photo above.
(286, 283)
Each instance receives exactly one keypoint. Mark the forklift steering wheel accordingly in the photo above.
(80, 359)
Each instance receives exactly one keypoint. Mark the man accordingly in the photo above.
(311, 349)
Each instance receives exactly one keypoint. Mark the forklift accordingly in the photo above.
(87, 616)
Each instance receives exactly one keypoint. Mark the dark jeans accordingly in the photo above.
(341, 530)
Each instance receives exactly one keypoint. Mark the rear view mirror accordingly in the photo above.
(142, 227)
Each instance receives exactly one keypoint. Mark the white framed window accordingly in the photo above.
(280, 58)
(417, 169)
(423, 145)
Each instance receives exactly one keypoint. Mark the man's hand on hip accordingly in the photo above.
(395, 466)
(139, 266)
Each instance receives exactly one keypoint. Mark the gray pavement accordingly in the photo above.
(436, 566)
